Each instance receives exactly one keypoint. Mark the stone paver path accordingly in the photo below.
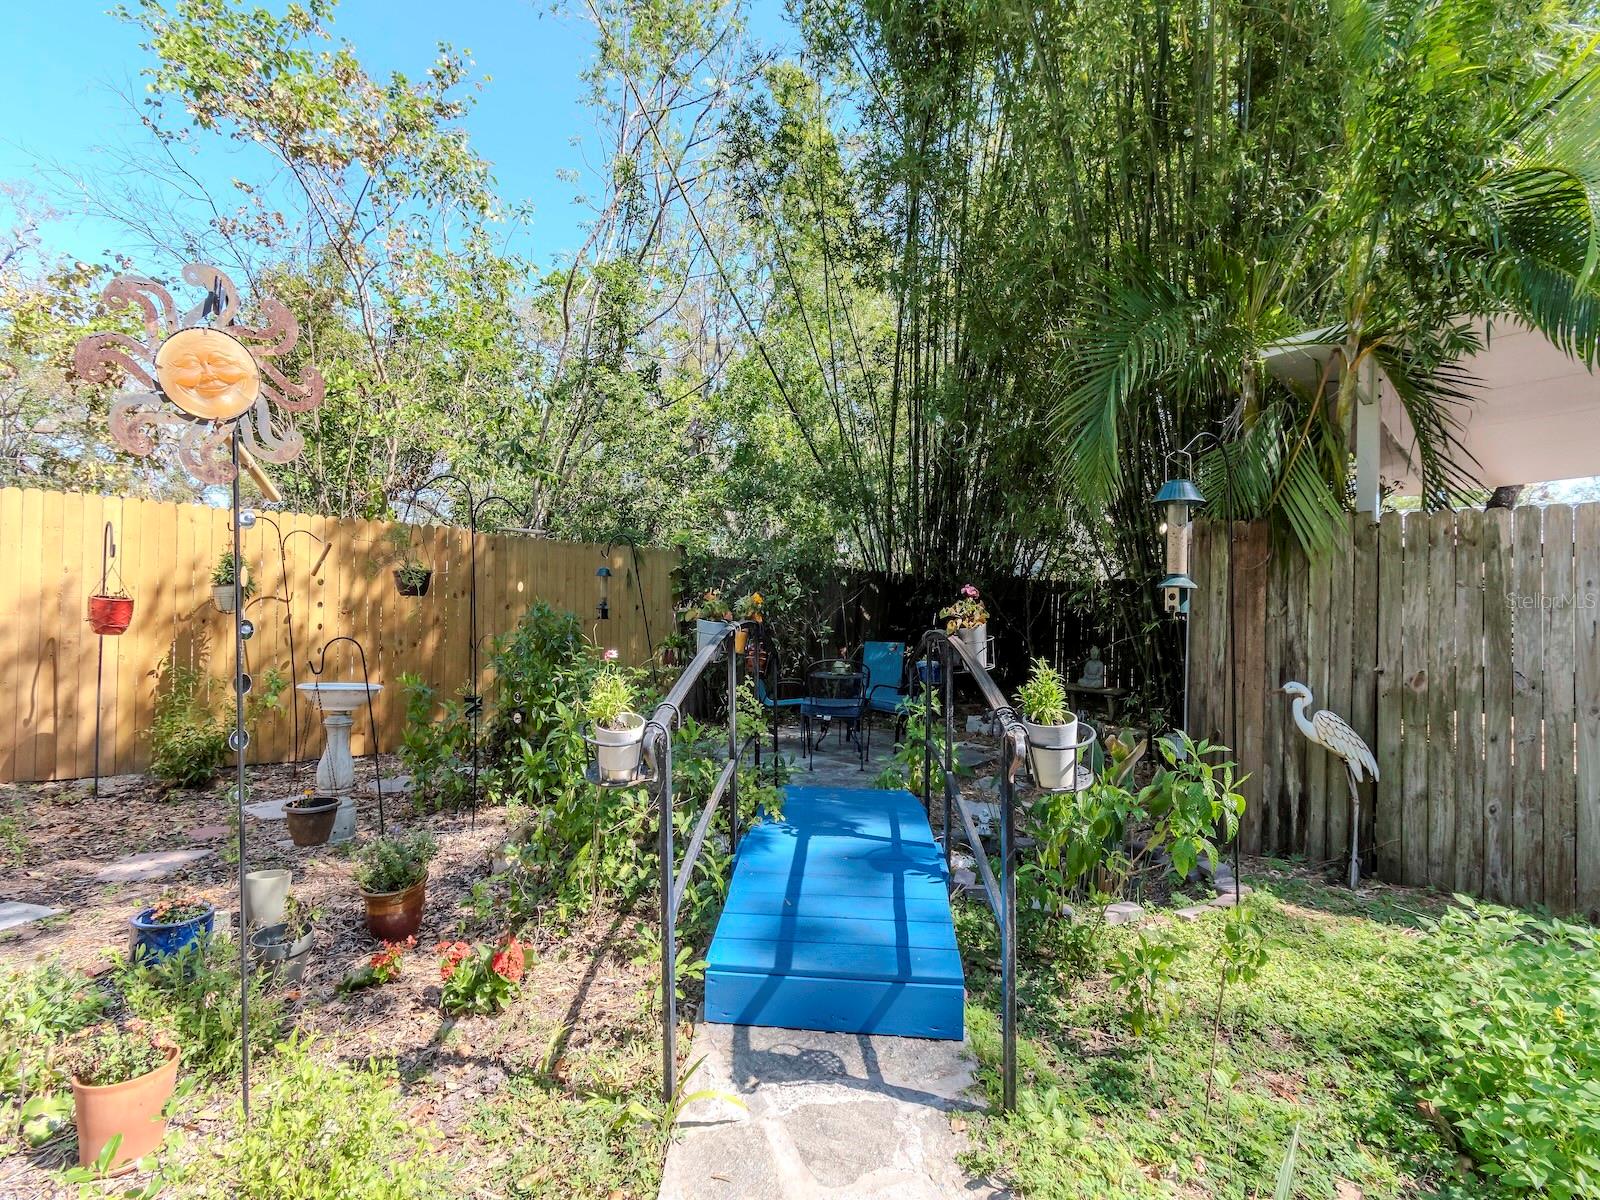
(157, 864)
(14, 912)
(829, 1116)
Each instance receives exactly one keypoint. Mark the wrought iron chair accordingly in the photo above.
(889, 688)
(832, 694)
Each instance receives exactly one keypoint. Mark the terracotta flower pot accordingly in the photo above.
(310, 819)
(395, 916)
(110, 615)
(131, 1108)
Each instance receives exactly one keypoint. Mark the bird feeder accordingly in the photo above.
(602, 610)
(1177, 500)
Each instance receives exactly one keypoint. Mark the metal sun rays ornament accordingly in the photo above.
(202, 374)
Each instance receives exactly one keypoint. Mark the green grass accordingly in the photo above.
(1313, 1042)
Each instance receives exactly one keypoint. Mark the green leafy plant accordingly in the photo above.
(1240, 958)
(39, 1007)
(395, 863)
(222, 574)
(479, 979)
(1190, 799)
(1044, 696)
(175, 908)
(1512, 1053)
(904, 769)
(192, 997)
(412, 574)
(662, 1117)
(385, 966)
(319, 1130)
(610, 697)
(188, 740)
(1146, 975)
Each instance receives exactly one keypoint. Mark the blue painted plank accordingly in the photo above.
(741, 900)
(780, 927)
(838, 918)
(856, 1006)
(871, 885)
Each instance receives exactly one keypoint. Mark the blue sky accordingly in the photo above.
(68, 59)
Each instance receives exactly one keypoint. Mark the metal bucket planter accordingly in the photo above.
(131, 1108)
(977, 640)
(310, 819)
(153, 939)
(1053, 754)
(283, 957)
(709, 633)
(265, 894)
(395, 916)
(110, 615)
(617, 751)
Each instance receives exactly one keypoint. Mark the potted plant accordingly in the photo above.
(265, 894)
(674, 649)
(222, 582)
(970, 619)
(711, 617)
(411, 578)
(746, 611)
(618, 730)
(110, 613)
(1052, 729)
(310, 817)
(284, 948)
(121, 1080)
(171, 923)
(393, 878)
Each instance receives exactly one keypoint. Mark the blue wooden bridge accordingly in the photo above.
(838, 918)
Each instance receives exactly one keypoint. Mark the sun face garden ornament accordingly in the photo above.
(202, 375)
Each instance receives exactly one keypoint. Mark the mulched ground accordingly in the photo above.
(583, 978)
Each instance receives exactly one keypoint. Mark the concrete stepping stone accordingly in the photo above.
(1123, 912)
(157, 864)
(207, 833)
(267, 810)
(393, 785)
(14, 913)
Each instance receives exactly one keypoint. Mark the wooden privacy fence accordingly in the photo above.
(1464, 647)
(50, 564)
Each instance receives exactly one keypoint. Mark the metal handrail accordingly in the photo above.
(657, 754)
(1001, 893)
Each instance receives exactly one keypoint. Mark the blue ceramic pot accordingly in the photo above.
(154, 940)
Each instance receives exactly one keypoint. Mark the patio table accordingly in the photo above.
(832, 694)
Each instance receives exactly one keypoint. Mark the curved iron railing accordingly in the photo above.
(1002, 893)
(656, 771)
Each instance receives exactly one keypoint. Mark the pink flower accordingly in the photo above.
(611, 654)
(969, 591)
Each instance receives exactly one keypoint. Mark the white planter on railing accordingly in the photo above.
(617, 751)
(708, 633)
(1052, 751)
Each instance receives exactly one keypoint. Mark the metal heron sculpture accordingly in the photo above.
(1333, 733)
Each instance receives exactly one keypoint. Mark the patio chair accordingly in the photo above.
(834, 692)
(887, 691)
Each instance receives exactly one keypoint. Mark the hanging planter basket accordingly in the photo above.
(110, 615)
(412, 583)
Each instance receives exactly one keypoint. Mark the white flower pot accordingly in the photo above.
(708, 633)
(977, 640)
(222, 597)
(617, 750)
(1053, 754)
(265, 893)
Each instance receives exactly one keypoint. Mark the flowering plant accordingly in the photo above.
(481, 978)
(710, 607)
(385, 966)
(966, 613)
(749, 608)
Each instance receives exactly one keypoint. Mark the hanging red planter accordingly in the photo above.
(110, 615)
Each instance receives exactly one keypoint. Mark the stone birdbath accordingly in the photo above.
(336, 770)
